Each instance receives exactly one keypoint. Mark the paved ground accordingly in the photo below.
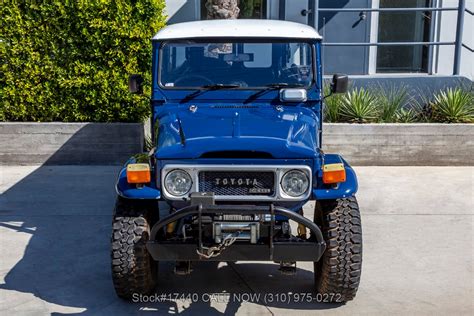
(54, 249)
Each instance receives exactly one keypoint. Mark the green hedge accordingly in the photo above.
(70, 60)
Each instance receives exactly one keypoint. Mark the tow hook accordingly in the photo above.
(288, 267)
(182, 268)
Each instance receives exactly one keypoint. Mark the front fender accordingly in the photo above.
(343, 190)
(131, 191)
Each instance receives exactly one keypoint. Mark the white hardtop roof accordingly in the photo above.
(237, 28)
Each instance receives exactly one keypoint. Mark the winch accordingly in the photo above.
(246, 231)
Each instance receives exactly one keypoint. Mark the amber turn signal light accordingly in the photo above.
(334, 173)
(138, 173)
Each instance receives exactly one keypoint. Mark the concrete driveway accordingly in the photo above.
(54, 250)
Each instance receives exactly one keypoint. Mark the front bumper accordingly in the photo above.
(274, 250)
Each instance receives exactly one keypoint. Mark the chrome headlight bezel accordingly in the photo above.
(302, 176)
(184, 174)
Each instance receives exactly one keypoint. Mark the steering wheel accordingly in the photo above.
(193, 78)
(291, 72)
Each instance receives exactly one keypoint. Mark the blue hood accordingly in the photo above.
(289, 133)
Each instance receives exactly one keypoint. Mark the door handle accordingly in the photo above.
(305, 12)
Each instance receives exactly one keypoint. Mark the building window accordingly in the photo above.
(236, 9)
(403, 27)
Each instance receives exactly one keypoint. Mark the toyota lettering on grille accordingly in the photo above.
(249, 183)
(236, 181)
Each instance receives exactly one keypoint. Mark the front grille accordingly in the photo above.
(235, 183)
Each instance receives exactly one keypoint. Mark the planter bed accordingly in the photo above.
(361, 144)
(69, 143)
(417, 144)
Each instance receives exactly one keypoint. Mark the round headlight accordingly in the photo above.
(295, 183)
(178, 182)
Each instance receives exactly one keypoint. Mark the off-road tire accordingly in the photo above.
(337, 274)
(133, 269)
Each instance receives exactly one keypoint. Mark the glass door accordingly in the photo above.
(403, 27)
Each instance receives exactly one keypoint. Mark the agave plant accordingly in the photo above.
(359, 106)
(391, 102)
(454, 106)
(332, 106)
(407, 115)
(423, 106)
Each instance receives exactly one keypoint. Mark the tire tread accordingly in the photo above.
(133, 269)
(340, 268)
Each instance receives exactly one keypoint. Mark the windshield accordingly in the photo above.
(240, 64)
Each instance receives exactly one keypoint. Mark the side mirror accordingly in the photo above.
(135, 84)
(339, 83)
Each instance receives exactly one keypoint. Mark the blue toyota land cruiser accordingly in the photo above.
(237, 132)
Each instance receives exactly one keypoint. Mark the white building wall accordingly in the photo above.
(443, 63)
(444, 60)
(182, 10)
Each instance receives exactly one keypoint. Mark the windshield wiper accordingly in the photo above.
(283, 85)
(217, 86)
(273, 86)
(209, 87)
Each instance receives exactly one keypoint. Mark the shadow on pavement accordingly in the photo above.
(57, 222)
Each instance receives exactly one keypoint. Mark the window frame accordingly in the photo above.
(311, 44)
(374, 50)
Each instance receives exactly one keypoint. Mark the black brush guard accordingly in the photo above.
(300, 250)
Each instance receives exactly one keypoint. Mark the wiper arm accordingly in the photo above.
(218, 86)
(208, 87)
(273, 86)
(282, 85)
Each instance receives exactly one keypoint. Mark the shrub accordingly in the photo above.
(359, 106)
(69, 60)
(453, 106)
